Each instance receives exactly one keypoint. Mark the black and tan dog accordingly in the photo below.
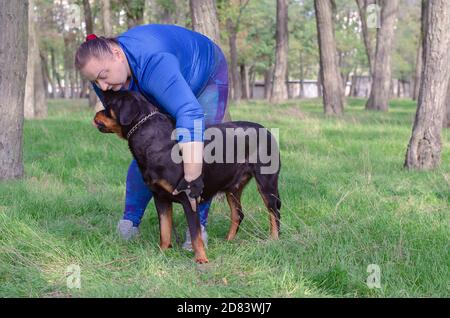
(149, 131)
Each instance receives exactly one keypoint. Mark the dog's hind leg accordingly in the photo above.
(234, 201)
(268, 188)
(164, 209)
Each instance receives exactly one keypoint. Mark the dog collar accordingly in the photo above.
(143, 120)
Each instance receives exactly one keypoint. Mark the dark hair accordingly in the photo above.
(96, 47)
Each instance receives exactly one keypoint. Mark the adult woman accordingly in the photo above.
(181, 72)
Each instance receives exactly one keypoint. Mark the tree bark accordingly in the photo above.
(362, 9)
(447, 107)
(379, 95)
(205, 21)
(424, 149)
(204, 18)
(419, 57)
(35, 104)
(333, 94)
(232, 30)
(245, 81)
(268, 80)
(13, 70)
(279, 88)
(106, 13)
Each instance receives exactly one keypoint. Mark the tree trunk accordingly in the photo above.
(204, 18)
(447, 107)
(333, 94)
(13, 70)
(245, 81)
(29, 83)
(46, 72)
(205, 21)
(424, 149)
(419, 58)
(379, 95)
(56, 74)
(362, 9)
(35, 104)
(279, 88)
(232, 30)
(106, 13)
(268, 80)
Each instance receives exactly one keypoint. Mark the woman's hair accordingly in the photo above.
(94, 47)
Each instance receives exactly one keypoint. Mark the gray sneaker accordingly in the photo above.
(126, 230)
(187, 245)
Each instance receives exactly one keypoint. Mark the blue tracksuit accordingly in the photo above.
(185, 75)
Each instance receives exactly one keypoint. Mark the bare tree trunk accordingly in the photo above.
(418, 72)
(236, 93)
(447, 107)
(205, 21)
(379, 95)
(332, 83)
(425, 145)
(29, 84)
(106, 13)
(362, 9)
(268, 79)
(35, 104)
(419, 58)
(204, 18)
(13, 70)
(46, 71)
(56, 74)
(279, 88)
(245, 82)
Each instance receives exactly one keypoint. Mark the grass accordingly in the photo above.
(347, 203)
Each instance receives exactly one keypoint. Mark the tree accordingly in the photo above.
(279, 88)
(205, 21)
(333, 94)
(106, 14)
(204, 18)
(419, 57)
(35, 104)
(379, 95)
(447, 107)
(424, 148)
(13, 70)
(362, 9)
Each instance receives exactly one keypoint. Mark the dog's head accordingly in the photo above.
(124, 109)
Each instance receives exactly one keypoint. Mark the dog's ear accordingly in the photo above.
(128, 111)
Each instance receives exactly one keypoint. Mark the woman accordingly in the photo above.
(181, 72)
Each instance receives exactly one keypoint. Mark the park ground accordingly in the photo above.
(347, 203)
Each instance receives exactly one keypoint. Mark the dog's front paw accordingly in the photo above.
(201, 260)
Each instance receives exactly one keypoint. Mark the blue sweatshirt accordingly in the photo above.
(172, 66)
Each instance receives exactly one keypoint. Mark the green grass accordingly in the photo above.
(347, 202)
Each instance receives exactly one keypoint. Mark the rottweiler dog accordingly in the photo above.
(149, 135)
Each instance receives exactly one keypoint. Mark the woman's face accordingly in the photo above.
(110, 72)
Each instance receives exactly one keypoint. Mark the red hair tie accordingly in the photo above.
(91, 37)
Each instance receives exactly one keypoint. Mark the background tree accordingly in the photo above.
(280, 89)
(424, 149)
(205, 21)
(379, 94)
(333, 94)
(13, 64)
(35, 104)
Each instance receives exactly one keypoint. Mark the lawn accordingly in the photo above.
(347, 203)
